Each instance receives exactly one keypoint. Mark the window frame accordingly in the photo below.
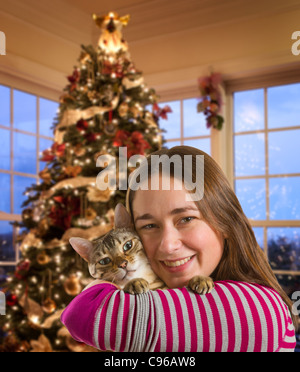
(260, 81)
(12, 217)
(182, 137)
(188, 90)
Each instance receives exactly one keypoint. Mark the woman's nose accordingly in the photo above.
(170, 241)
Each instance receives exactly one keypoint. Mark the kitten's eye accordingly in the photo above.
(127, 246)
(105, 261)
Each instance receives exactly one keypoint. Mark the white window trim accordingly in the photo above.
(38, 91)
(281, 77)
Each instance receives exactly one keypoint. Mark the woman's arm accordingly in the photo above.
(234, 317)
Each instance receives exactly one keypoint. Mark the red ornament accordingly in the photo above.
(82, 125)
(135, 142)
(65, 209)
(11, 300)
(161, 112)
(74, 79)
(22, 269)
(55, 151)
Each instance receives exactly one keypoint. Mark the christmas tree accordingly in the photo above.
(103, 107)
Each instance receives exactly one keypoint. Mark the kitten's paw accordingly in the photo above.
(137, 286)
(201, 284)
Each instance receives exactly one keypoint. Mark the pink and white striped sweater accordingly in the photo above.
(236, 316)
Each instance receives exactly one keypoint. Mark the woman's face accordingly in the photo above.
(178, 242)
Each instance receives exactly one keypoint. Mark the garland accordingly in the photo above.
(211, 100)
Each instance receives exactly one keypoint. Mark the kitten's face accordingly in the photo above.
(116, 256)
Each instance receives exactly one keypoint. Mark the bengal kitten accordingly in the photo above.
(119, 257)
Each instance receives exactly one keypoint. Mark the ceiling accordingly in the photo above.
(171, 41)
(153, 18)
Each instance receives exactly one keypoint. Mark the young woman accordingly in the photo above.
(247, 310)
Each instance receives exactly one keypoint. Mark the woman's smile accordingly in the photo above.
(177, 265)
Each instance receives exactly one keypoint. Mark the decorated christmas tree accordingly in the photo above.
(106, 105)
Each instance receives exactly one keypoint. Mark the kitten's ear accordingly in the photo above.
(83, 247)
(122, 217)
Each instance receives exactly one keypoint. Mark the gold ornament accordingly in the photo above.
(42, 258)
(79, 150)
(110, 129)
(91, 214)
(43, 227)
(72, 171)
(46, 176)
(49, 306)
(123, 109)
(72, 285)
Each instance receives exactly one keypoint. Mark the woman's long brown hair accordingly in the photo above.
(243, 259)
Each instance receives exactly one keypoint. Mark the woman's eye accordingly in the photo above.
(127, 246)
(148, 227)
(105, 261)
(187, 219)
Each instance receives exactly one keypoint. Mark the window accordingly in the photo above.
(185, 126)
(25, 131)
(267, 173)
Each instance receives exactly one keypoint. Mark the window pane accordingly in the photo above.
(5, 193)
(169, 145)
(20, 186)
(24, 111)
(289, 283)
(250, 155)
(284, 152)
(259, 234)
(172, 125)
(7, 252)
(284, 248)
(283, 106)
(4, 106)
(194, 122)
(285, 198)
(201, 144)
(47, 114)
(252, 196)
(4, 271)
(4, 149)
(249, 110)
(24, 153)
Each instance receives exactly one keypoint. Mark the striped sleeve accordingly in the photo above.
(234, 317)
